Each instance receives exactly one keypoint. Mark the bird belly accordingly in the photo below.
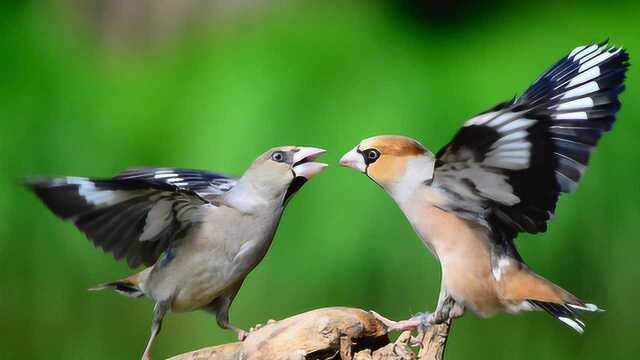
(189, 281)
(206, 282)
(463, 250)
(213, 258)
(201, 288)
(472, 285)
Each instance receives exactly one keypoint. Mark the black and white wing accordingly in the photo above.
(203, 183)
(137, 214)
(510, 164)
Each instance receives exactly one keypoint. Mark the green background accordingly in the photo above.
(220, 93)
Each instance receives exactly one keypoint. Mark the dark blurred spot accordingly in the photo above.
(448, 13)
(9, 6)
(295, 185)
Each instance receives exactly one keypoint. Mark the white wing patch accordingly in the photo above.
(555, 124)
(582, 90)
(579, 86)
(485, 184)
(164, 174)
(481, 119)
(582, 51)
(512, 151)
(583, 77)
(98, 197)
(599, 59)
(503, 119)
(518, 124)
(578, 115)
(576, 104)
(202, 183)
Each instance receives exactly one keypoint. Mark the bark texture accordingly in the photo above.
(328, 333)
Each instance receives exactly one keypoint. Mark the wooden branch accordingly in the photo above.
(434, 341)
(328, 333)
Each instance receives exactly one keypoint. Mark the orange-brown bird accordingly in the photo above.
(501, 175)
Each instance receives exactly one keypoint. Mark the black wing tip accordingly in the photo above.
(622, 54)
(44, 182)
(43, 188)
(36, 182)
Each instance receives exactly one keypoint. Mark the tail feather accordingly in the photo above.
(527, 288)
(566, 312)
(124, 287)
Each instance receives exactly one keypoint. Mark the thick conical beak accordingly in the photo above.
(354, 160)
(303, 165)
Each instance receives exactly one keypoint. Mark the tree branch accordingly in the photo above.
(328, 333)
(434, 341)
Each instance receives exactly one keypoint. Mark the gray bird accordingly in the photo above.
(199, 233)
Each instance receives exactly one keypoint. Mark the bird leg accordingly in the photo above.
(257, 327)
(220, 307)
(447, 309)
(242, 334)
(420, 321)
(222, 317)
(159, 310)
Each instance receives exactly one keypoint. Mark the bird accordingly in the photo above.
(199, 233)
(500, 175)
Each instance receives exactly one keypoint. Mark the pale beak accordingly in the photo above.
(354, 160)
(303, 165)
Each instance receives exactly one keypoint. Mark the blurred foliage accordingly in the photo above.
(314, 74)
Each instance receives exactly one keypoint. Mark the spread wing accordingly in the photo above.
(508, 166)
(138, 213)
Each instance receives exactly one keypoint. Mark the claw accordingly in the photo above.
(242, 335)
(425, 319)
(416, 341)
(382, 319)
(420, 321)
(404, 337)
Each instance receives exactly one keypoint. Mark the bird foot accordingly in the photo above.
(260, 326)
(242, 335)
(418, 322)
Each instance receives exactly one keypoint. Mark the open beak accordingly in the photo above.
(303, 164)
(354, 160)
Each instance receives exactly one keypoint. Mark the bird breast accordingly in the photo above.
(462, 247)
(219, 252)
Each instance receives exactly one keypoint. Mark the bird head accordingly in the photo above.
(284, 169)
(391, 161)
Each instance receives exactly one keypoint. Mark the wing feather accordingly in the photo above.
(137, 214)
(510, 164)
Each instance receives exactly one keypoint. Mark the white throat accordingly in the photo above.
(418, 173)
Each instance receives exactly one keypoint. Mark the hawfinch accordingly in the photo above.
(501, 175)
(198, 233)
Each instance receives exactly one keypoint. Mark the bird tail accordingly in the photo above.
(567, 312)
(535, 292)
(558, 302)
(129, 287)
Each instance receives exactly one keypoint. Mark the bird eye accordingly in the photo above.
(371, 155)
(277, 156)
